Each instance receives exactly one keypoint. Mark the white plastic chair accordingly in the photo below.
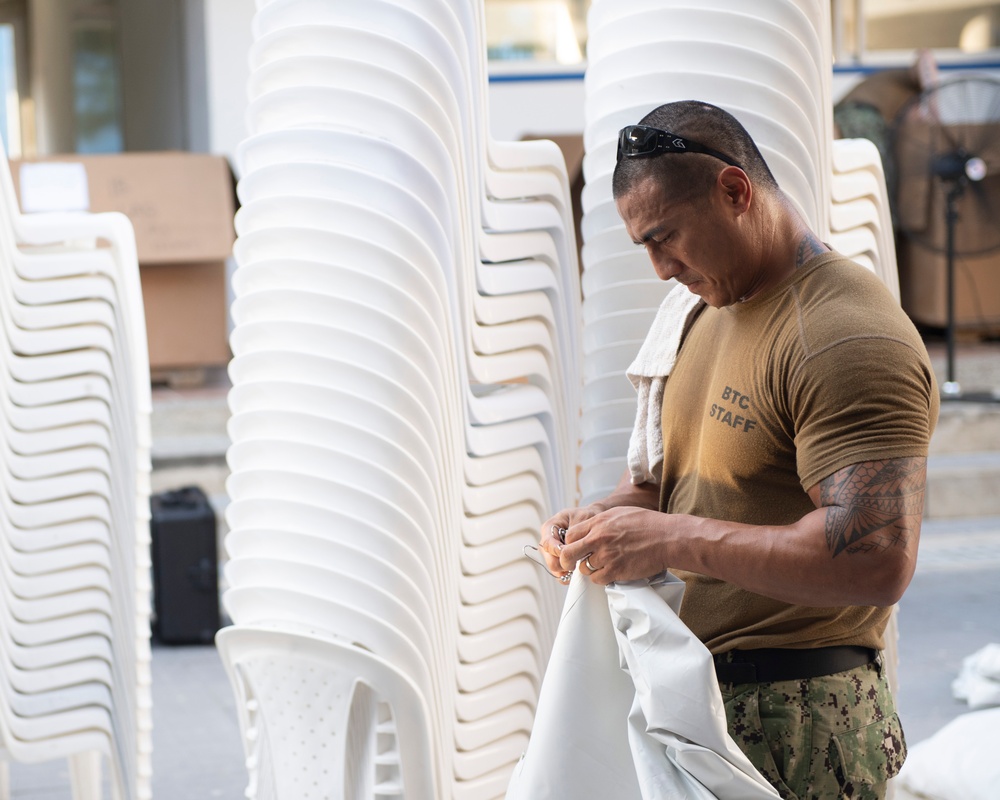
(263, 665)
(705, 21)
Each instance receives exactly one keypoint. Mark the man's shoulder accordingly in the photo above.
(835, 315)
(836, 271)
(841, 295)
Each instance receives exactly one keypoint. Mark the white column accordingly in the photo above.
(51, 34)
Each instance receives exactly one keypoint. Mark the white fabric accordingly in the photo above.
(677, 727)
(579, 742)
(597, 735)
(978, 682)
(959, 762)
(648, 374)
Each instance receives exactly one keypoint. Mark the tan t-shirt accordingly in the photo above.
(767, 398)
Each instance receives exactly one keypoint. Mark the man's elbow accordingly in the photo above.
(891, 594)
(891, 580)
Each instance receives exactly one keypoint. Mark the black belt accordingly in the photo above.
(782, 664)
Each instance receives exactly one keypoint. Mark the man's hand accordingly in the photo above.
(620, 544)
(858, 547)
(554, 529)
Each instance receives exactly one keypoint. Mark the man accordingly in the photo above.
(796, 422)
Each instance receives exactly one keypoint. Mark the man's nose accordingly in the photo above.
(666, 267)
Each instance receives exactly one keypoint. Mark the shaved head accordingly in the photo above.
(687, 176)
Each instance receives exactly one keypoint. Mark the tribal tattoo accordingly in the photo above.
(872, 506)
(809, 246)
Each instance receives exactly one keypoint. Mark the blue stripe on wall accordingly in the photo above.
(868, 70)
(534, 77)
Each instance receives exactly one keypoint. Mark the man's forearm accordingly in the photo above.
(858, 547)
(793, 563)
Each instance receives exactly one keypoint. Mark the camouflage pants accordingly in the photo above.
(825, 738)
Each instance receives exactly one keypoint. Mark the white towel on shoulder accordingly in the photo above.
(648, 374)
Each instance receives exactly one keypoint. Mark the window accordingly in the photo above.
(10, 114)
(555, 31)
(15, 105)
(96, 78)
(862, 27)
(544, 31)
(96, 90)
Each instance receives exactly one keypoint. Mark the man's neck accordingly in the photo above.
(790, 244)
(809, 247)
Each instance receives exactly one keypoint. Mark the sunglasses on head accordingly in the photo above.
(642, 141)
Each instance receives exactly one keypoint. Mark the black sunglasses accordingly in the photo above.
(642, 141)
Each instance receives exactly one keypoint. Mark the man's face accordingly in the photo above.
(692, 242)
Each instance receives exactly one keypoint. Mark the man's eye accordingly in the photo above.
(650, 242)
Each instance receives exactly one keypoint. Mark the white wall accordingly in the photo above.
(227, 45)
(536, 107)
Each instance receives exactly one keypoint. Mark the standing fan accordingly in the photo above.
(946, 146)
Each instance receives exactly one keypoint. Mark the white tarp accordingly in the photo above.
(978, 682)
(959, 762)
(630, 707)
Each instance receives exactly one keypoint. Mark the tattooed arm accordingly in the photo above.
(873, 506)
(859, 547)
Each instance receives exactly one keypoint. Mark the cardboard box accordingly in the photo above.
(181, 206)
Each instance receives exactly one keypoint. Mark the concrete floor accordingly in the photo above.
(976, 364)
(949, 611)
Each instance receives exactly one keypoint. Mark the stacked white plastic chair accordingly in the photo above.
(405, 381)
(860, 220)
(74, 507)
(767, 63)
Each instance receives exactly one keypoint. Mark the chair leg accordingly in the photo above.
(4, 777)
(890, 655)
(891, 658)
(85, 775)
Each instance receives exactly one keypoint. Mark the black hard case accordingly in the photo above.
(185, 567)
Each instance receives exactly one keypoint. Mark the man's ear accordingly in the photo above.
(737, 189)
